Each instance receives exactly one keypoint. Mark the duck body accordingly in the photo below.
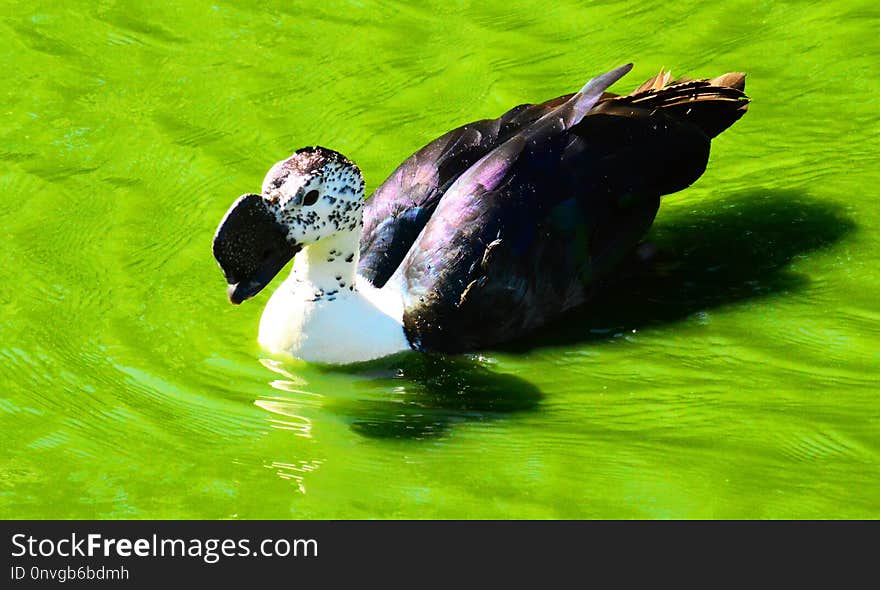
(486, 233)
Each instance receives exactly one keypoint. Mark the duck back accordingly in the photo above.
(526, 231)
(401, 206)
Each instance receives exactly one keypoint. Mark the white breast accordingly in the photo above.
(353, 326)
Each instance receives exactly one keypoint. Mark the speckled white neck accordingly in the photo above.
(324, 313)
(328, 267)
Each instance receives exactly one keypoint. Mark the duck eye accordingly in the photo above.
(311, 198)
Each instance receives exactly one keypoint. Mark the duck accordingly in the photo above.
(481, 236)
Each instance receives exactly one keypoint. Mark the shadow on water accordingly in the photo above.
(422, 395)
(728, 251)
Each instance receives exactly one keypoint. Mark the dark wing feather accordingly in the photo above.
(398, 210)
(527, 231)
(401, 206)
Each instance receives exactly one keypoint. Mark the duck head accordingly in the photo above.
(311, 196)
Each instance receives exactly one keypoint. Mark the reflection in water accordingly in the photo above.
(299, 425)
(288, 407)
(407, 396)
(427, 394)
(287, 415)
(291, 383)
(295, 472)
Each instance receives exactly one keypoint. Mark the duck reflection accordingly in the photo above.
(414, 396)
(288, 408)
(427, 394)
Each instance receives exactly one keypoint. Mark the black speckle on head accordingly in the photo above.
(350, 257)
(315, 157)
(306, 162)
(276, 182)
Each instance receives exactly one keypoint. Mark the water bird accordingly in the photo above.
(481, 236)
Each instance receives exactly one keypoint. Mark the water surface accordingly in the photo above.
(737, 376)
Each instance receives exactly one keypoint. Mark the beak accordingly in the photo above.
(270, 266)
(251, 247)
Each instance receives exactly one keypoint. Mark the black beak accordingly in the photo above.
(271, 265)
(251, 247)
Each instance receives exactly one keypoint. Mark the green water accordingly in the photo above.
(739, 376)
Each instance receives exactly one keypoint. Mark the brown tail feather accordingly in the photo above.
(713, 104)
(655, 83)
(731, 80)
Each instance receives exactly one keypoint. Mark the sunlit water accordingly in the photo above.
(735, 376)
